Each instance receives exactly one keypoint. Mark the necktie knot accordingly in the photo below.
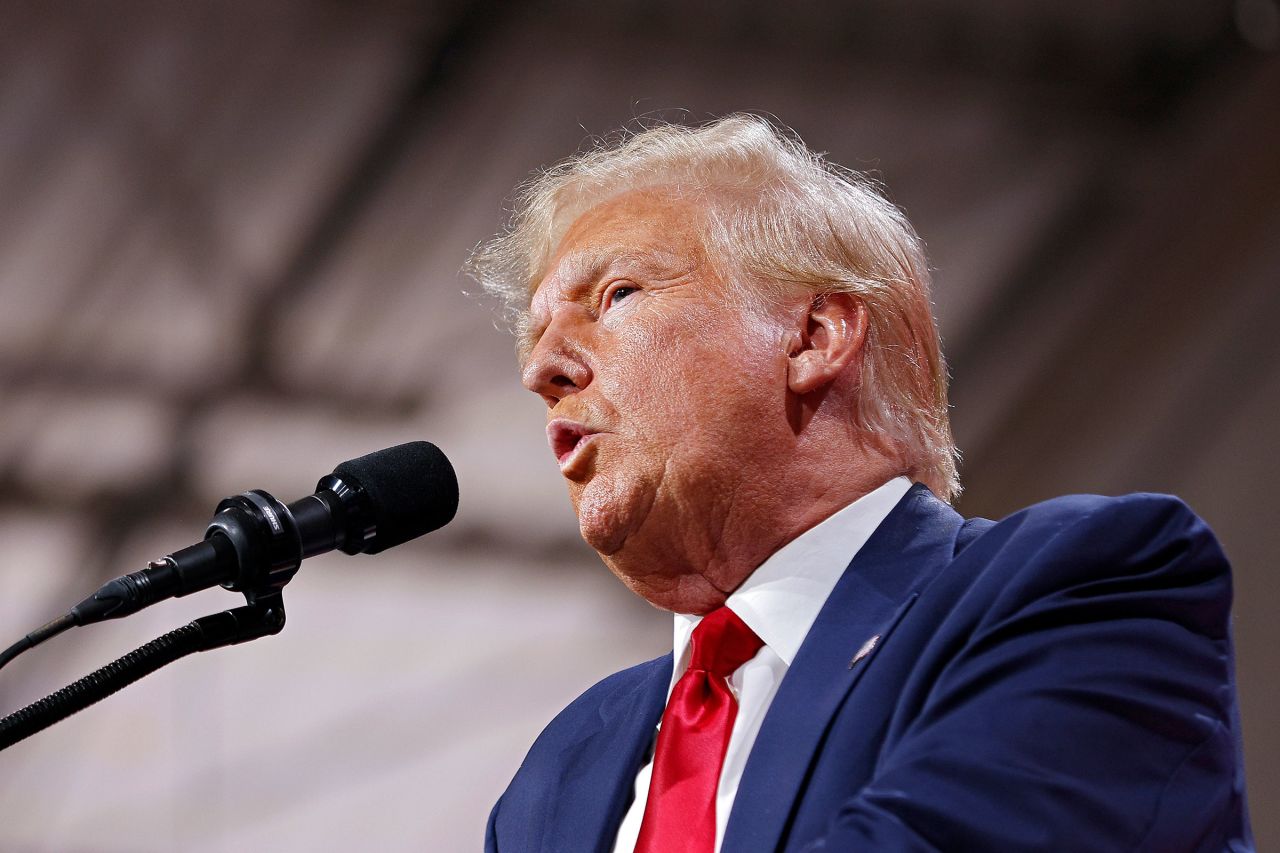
(722, 642)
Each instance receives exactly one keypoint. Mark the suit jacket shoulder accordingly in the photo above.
(1089, 545)
(577, 776)
(1063, 681)
(605, 699)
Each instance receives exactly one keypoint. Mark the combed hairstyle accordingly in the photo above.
(778, 217)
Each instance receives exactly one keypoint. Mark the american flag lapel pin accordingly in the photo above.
(865, 650)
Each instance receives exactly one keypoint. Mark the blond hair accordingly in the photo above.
(785, 218)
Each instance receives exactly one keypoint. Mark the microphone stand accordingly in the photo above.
(261, 617)
(254, 545)
(268, 548)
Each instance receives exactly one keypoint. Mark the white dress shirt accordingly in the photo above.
(779, 601)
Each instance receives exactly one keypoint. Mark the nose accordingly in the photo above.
(558, 364)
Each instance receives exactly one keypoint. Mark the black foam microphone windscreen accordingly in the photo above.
(411, 489)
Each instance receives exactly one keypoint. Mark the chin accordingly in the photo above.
(600, 525)
(609, 512)
(604, 539)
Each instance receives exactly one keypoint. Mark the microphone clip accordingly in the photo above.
(265, 539)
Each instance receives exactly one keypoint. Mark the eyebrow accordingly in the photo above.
(584, 269)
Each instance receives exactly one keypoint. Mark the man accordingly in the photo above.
(748, 403)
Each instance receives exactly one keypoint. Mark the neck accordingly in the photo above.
(692, 566)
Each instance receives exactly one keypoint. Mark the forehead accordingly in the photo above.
(650, 231)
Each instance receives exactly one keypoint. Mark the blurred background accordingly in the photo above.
(230, 236)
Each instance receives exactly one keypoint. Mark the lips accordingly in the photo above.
(567, 438)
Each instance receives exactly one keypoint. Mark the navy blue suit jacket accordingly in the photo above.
(1060, 680)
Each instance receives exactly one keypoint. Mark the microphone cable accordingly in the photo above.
(38, 636)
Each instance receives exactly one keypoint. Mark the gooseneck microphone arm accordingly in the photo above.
(254, 545)
(261, 618)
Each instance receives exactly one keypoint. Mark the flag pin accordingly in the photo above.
(866, 649)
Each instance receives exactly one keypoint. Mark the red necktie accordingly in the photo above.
(680, 815)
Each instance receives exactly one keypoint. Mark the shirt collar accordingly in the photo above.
(780, 600)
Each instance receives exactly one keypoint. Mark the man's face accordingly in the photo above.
(665, 386)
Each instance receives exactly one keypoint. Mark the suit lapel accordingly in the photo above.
(599, 770)
(912, 544)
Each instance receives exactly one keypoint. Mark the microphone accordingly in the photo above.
(255, 543)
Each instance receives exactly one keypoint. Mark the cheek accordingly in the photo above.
(652, 366)
(709, 376)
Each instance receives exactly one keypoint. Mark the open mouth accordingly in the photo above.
(566, 437)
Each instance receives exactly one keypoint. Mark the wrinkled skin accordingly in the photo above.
(699, 427)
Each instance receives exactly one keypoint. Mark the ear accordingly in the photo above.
(834, 331)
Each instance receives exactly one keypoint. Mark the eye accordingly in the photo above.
(615, 295)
